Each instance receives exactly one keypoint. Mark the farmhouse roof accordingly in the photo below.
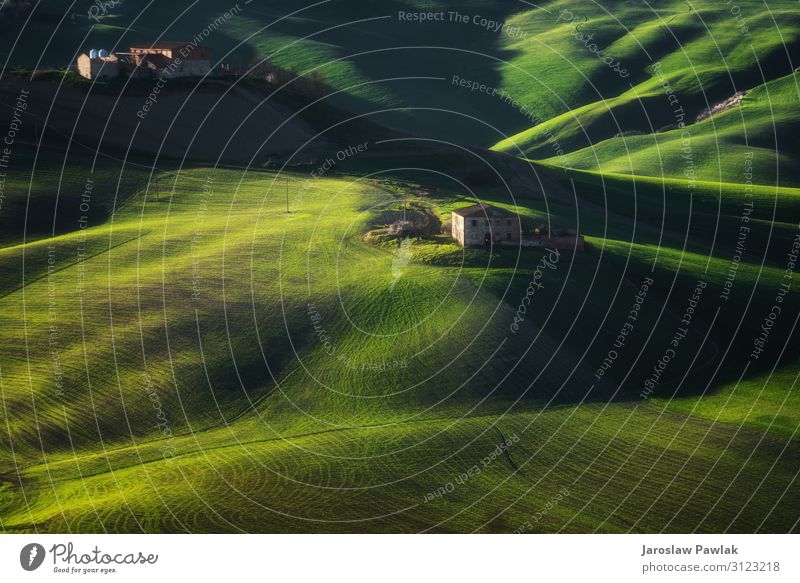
(158, 61)
(189, 51)
(483, 210)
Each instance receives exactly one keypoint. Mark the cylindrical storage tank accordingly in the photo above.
(102, 53)
(93, 54)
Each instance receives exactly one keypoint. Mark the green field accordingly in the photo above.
(374, 61)
(178, 353)
(207, 362)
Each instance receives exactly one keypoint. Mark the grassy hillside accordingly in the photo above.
(681, 62)
(384, 479)
(207, 350)
(540, 65)
(750, 143)
(180, 353)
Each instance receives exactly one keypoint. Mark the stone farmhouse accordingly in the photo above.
(481, 224)
(173, 59)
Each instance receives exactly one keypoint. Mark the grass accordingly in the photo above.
(192, 357)
(347, 481)
(765, 402)
(735, 146)
(213, 351)
(702, 58)
(544, 68)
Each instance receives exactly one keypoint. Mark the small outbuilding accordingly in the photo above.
(98, 66)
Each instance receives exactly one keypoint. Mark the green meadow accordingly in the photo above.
(191, 347)
(204, 361)
(400, 71)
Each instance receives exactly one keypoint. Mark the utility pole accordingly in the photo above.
(286, 180)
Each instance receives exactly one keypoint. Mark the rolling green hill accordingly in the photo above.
(180, 353)
(204, 361)
(751, 143)
(542, 68)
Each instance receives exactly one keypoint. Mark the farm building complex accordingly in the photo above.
(162, 59)
(481, 224)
